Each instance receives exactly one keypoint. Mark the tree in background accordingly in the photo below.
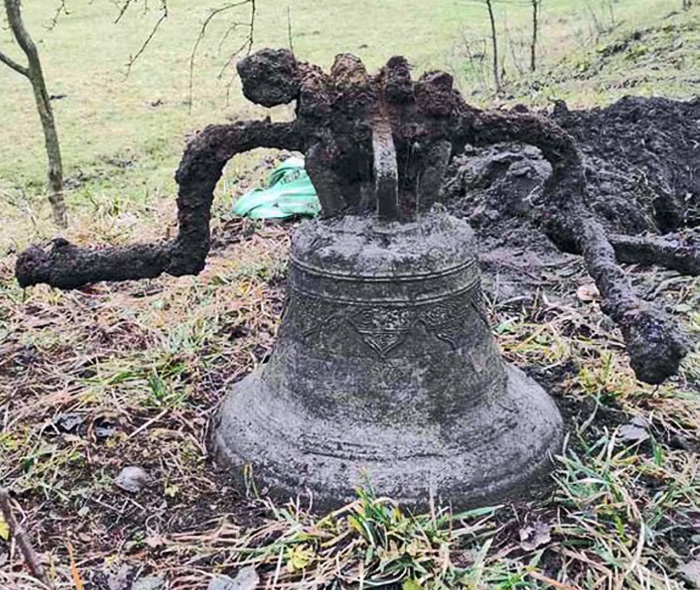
(495, 65)
(494, 45)
(535, 26)
(34, 73)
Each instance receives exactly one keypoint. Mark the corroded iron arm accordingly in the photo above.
(67, 266)
(655, 343)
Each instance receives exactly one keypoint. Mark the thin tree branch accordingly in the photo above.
(535, 26)
(245, 46)
(14, 65)
(154, 30)
(20, 535)
(290, 36)
(62, 8)
(163, 16)
(494, 45)
(122, 10)
(230, 29)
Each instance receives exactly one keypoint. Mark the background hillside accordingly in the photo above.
(122, 135)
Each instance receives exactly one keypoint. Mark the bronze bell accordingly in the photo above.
(385, 371)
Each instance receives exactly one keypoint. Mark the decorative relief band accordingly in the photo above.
(384, 328)
(394, 302)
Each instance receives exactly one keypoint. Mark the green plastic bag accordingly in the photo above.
(289, 192)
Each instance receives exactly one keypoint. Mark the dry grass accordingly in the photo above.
(130, 374)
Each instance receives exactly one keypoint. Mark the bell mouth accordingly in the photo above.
(385, 369)
(499, 450)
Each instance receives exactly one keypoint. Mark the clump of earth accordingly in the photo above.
(642, 165)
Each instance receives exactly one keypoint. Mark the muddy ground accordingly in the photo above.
(642, 160)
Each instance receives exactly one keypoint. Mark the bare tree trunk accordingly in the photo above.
(494, 46)
(533, 44)
(33, 72)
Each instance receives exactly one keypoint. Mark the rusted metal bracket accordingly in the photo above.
(386, 175)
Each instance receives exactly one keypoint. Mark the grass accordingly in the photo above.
(130, 374)
(140, 367)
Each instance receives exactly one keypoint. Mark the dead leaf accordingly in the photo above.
(154, 540)
(74, 570)
(4, 529)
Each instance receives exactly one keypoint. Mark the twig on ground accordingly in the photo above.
(20, 535)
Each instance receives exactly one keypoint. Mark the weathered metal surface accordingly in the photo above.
(385, 369)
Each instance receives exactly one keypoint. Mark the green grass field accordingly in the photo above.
(122, 135)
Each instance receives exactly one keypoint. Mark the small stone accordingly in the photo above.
(639, 421)
(246, 579)
(105, 431)
(149, 583)
(588, 293)
(691, 572)
(132, 479)
(635, 431)
(68, 421)
(534, 536)
(119, 579)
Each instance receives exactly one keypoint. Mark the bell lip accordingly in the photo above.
(529, 479)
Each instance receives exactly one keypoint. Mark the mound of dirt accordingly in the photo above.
(642, 164)
(643, 157)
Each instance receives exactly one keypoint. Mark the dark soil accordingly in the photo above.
(642, 165)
